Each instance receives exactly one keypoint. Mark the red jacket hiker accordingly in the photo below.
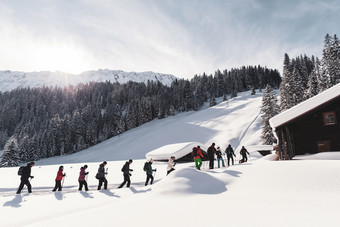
(60, 175)
(58, 179)
(199, 154)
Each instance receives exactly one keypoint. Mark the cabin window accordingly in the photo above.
(329, 118)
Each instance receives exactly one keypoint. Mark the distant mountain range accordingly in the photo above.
(10, 80)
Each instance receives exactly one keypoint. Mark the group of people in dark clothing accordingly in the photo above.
(212, 151)
(101, 174)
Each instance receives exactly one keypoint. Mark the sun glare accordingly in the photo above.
(66, 58)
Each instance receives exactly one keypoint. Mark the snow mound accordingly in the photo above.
(178, 150)
(189, 181)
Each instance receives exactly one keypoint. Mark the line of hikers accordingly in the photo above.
(229, 151)
(25, 173)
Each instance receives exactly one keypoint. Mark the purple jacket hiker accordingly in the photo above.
(81, 179)
(82, 174)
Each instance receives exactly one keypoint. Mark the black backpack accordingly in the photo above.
(21, 168)
(145, 168)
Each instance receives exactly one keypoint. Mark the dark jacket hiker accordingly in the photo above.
(149, 172)
(211, 155)
(126, 173)
(101, 176)
(26, 173)
(230, 154)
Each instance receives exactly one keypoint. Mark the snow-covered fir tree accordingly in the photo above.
(269, 109)
(57, 121)
(10, 155)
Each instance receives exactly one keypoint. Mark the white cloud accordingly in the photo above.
(179, 37)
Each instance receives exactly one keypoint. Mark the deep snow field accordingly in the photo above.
(262, 192)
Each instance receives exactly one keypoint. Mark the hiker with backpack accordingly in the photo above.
(149, 171)
(197, 154)
(211, 155)
(244, 153)
(58, 179)
(230, 154)
(25, 174)
(171, 164)
(81, 179)
(219, 157)
(126, 173)
(101, 176)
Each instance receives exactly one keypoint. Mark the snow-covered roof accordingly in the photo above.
(178, 150)
(259, 148)
(306, 106)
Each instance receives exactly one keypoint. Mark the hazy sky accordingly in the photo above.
(180, 37)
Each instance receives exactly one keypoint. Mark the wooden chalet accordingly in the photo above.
(310, 127)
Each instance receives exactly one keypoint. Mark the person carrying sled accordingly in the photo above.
(81, 178)
(219, 157)
(197, 154)
(149, 172)
(126, 173)
(211, 155)
(58, 179)
(230, 154)
(244, 153)
(25, 174)
(101, 176)
(171, 165)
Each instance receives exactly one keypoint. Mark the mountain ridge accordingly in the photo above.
(10, 80)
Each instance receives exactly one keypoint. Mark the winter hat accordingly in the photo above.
(85, 166)
(61, 167)
(104, 162)
(213, 144)
(31, 163)
(130, 160)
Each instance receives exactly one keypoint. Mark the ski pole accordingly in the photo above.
(62, 183)
(154, 175)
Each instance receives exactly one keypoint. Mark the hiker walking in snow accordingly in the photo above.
(81, 179)
(211, 155)
(219, 157)
(101, 176)
(244, 153)
(149, 171)
(171, 165)
(126, 173)
(197, 154)
(58, 179)
(25, 174)
(230, 154)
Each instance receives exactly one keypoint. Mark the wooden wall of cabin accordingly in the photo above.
(311, 129)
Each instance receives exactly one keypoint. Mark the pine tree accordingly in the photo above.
(269, 109)
(284, 87)
(312, 85)
(10, 156)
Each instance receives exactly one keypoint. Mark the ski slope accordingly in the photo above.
(302, 192)
(236, 122)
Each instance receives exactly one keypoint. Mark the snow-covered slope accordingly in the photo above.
(258, 193)
(10, 80)
(236, 122)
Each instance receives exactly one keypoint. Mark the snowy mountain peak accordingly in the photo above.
(10, 80)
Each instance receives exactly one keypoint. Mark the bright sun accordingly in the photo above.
(60, 57)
